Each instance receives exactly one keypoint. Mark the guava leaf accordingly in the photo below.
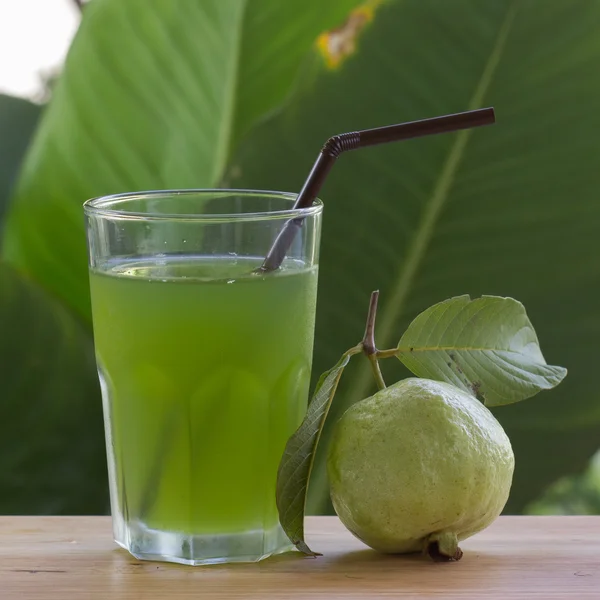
(485, 346)
(299, 455)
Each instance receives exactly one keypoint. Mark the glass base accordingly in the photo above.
(249, 546)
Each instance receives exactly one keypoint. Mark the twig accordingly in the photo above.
(79, 4)
(369, 337)
(368, 343)
(376, 371)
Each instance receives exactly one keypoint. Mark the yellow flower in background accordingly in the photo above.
(337, 44)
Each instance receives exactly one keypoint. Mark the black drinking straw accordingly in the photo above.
(337, 144)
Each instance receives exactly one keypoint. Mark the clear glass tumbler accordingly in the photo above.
(204, 365)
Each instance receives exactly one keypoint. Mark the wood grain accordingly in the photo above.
(58, 558)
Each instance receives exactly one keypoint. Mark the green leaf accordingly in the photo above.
(299, 454)
(486, 346)
(154, 94)
(52, 458)
(504, 210)
(18, 119)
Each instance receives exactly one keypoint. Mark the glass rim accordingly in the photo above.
(99, 206)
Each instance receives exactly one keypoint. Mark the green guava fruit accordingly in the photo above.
(419, 466)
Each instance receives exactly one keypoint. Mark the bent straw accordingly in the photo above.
(343, 142)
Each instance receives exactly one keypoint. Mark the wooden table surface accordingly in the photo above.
(59, 558)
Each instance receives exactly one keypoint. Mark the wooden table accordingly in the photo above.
(60, 558)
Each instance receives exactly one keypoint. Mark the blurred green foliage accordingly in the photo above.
(575, 495)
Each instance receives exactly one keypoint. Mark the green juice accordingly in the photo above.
(205, 370)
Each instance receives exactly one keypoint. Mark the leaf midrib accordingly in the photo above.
(413, 349)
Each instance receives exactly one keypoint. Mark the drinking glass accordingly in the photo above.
(204, 363)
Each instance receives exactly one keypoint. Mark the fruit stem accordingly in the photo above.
(443, 547)
(368, 342)
(376, 372)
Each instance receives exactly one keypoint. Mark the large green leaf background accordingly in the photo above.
(154, 94)
(51, 431)
(160, 94)
(507, 210)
